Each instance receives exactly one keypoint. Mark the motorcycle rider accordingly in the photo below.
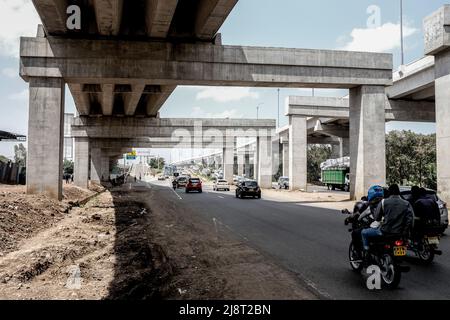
(174, 184)
(426, 212)
(367, 206)
(398, 218)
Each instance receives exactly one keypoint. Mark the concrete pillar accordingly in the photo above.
(264, 162)
(442, 87)
(96, 164)
(241, 162)
(247, 165)
(298, 145)
(285, 158)
(336, 151)
(228, 160)
(345, 147)
(105, 167)
(45, 137)
(367, 139)
(81, 165)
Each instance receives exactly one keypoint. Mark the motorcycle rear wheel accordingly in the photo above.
(425, 253)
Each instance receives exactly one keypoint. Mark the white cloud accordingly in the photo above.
(19, 96)
(10, 72)
(381, 39)
(18, 18)
(198, 112)
(226, 94)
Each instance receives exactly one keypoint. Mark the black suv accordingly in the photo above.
(248, 189)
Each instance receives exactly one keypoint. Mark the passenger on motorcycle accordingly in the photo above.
(366, 208)
(426, 212)
(398, 218)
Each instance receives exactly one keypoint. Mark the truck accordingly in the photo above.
(335, 174)
(336, 178)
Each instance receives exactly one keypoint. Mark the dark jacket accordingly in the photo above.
(427, 210)
(398, 215)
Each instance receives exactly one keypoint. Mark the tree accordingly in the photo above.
(316, 155)
(4, 159)
(411, 159)
(20, 155)
(68, 167)
(157, 163)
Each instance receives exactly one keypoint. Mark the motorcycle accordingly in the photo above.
(385, 252)
(425, 243)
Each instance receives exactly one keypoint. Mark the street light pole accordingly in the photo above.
(401, 34)
(257, 110)
(278, 114)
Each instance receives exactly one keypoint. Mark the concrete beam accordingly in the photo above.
(156, 101)
(93, 61)
(107, 99)
(109, 16)
(338, 108)
(211, 14)
(413, 83)
(132, 98)
(80, 98)
(159, 15)
(209, 130)
(332, 130)
(53, 15)
(437, 31)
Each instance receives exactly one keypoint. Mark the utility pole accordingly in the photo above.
(401, 34)
(278, 107)
(257, 110)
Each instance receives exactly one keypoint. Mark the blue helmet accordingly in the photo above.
(375, 192)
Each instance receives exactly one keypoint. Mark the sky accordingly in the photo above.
(356, 25)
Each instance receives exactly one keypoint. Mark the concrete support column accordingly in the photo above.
(442, 85)
(81, 165)
(264, 162)
(336, 151)
(298, 147)
(228, 160)
(241, 161)
(105, 167)
(367, 139)
(285, 158)
(247, 165)
(96, 165)
(45, 137)
(345, 147)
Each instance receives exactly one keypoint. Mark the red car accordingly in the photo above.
(194, 184)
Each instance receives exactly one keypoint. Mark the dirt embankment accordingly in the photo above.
(134, 244)
(22, 216)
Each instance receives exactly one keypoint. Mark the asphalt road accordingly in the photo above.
(311, 242)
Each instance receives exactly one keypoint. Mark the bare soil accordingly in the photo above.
(22, 216)
(133, 245)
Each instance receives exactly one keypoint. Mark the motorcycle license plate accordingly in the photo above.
(251, 189)
(399, 251)
(433, 240)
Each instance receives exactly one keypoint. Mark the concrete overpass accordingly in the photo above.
(127, 57)
(414, 97)
(99, 135)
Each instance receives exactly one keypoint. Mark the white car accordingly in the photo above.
(221, 184)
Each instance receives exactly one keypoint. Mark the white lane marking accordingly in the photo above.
(221, 197)
(179, 197)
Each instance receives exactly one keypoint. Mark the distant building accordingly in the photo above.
(68, 138)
